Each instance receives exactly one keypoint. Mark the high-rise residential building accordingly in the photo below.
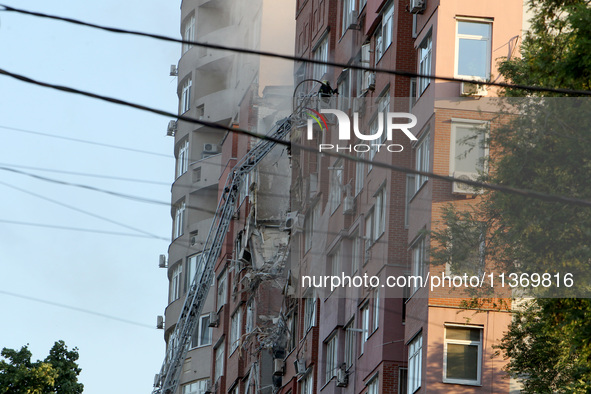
(302, 213)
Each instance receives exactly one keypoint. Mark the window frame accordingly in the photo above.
(188, 33)
(373, 386)
(219, 361)
(387, 28)
(186, 95)
(415, 363)
(337, 176)
(478, 343)
(175, 282)
(221, 290)
(235, 329)
(348, 9)
(200, 388)
(320, 53)
(199, 342)
(418, 260)
(310, 312)
(365, 322)
(331, 359)
(425, 62)
(422, 161)
(182, 159)
(350, 341)
(380, 213)
(488, 40)
(178, 226)
(469, 123)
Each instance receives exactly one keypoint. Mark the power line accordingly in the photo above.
(407, 74)
(86, 230)
(86, 174)
(85, 212)
(501, 188)
(86, 141)
(75, 308)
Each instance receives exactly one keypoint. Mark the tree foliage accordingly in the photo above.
(547, 149)
(57, 373)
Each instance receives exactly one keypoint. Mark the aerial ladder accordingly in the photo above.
(167, 381)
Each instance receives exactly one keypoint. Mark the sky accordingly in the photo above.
(105, 274)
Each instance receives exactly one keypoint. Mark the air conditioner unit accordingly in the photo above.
(353, 16)
(293, 221)
(300, 366)
(278, 365)
(173, 70)
(462, 188)
(472, 89)
(348, 205)
(208, 388)
(159, 322)
(365, 50)
(171, 129)
(417, 6)
(370, 80)
(213, 319)
(193, 240)
(342, 378)
(211, 148)
(162, 261)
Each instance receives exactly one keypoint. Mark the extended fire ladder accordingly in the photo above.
(167, 381)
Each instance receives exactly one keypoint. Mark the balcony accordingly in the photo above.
(206, 172)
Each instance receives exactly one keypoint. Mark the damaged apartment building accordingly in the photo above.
(251, 218)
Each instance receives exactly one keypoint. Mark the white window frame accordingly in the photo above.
(425, 60)
(310, 221)
(188, 33)
(336, 266)
(418, 261)
(197, 387)
(222, 290)
(415, 363)
(178, 226)
(320, 53)
(249, 319)
(422, 159)
(199, 339)
(387, 28)
(219, 354)
(350, 341)
(380, 213)
(310, 312)
(356, 252)
(347, 17)
(359, 173)
(446, 342)
(336, 185)
(307, 383)
(331, 357)
(410, 192)
(365, 322)
(186, 95)
(480, 128)
(487, 39)
(373, 385)
(194, 269)
(182, 161)
(369, 227)
(235, 330)
(376, 311)
(175, 283)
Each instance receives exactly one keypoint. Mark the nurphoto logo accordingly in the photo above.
(380, 136)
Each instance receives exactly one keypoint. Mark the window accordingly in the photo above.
(468, 149)
(402, 380)
(410, 192)
(373, 386)
(249, 325)
(462, 357)
(344, 89)
(387, 28)
(362, 4)
(336, 185)
(368, 231)
(221, 294)
(189, 33)
(376, 311)
(307, 384)
(380, 213)
(175, 283)
(415, 359)
(310, 312)
(349, 15)
(473, 49)
(202, 334)
(364, 325)
(182, 160)
(418, 263)
(194, 269)
(219, 361)
(359, 173)
(311, 219)
(236, 388)
(335, 261)
(356, 250)
(178, 225)
(350, 334)
(186, 96)
(422, 160)
(320, 54)
(292, 324)
(235, 330)
(198, 387)
(425, 62)
(331, 358)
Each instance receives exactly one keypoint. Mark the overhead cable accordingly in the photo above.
(408, 74)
